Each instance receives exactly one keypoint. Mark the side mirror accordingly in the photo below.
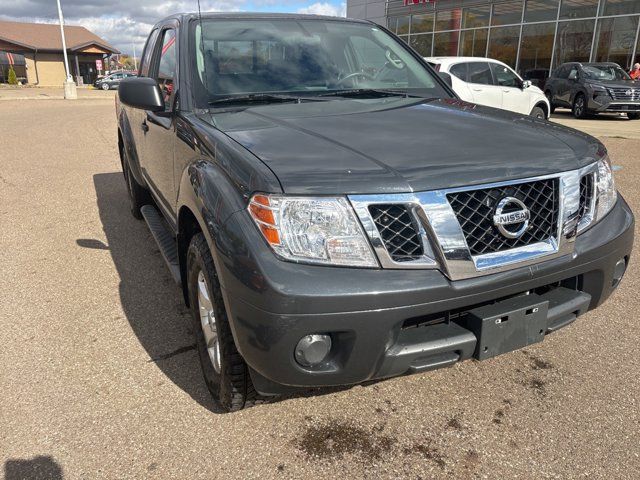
(141, 92)
(526, 84)
(446, 77)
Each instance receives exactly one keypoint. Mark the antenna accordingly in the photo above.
(204, 60)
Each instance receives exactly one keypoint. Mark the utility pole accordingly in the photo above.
(69, 85)
(135, 62)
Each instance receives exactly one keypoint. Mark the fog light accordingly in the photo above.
(618, 272)
(312, 349)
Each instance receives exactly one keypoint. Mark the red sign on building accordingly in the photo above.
(416, 2)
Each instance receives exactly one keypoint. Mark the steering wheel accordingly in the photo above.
(353, 75)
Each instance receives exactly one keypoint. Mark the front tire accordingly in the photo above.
(538, 112)
(225, 371)
(550, 98)
(105, 86)
(633, 116)
(579, 109)
(138, 195)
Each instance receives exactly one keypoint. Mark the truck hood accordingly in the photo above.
(615, 83)
(399, 144)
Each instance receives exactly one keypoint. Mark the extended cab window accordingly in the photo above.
(310, 57)
(573, 73)
(167, 66)
(480, 72)
(504, 76)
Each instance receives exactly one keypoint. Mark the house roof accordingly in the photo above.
(46, 36)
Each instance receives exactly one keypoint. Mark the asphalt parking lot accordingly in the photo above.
(99, 377)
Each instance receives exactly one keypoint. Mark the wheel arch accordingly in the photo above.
(545, 108)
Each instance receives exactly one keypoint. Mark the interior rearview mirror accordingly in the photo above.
(141, 92)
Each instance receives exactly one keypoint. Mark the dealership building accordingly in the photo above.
(526, 34)
(34, 52)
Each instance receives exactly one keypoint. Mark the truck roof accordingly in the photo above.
(256, 16)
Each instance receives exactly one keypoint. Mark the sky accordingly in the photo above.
(125, 24)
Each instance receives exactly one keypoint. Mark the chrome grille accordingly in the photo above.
(398, 230)
(474, 209)
(630, 94)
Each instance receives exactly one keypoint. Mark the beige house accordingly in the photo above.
(41, 46)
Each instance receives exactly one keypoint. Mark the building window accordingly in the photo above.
(392, 23)
(422, 43)
(503, 44)
(507, 13)
(540, 10)
(578, 8)
(448, 19)
(403, 25)
(422, 23)
(615, 39)
(473, 43)
(573, 42)
(476, 16)
(536, 48)
(619, 7)
(446, 44)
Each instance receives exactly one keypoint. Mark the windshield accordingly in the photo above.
(605, 72)
(304, 57)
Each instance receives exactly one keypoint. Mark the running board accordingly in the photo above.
(163, 237)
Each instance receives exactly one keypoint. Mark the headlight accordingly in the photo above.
(606, 189)
(321, 230)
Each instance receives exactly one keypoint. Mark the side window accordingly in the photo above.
(147, 53)
(504, 76)
(460, 71)
(167, 66)
(480, 72)
(562, 72)
(573, 73)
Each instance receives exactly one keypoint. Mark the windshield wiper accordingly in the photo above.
(367, 92)
(255, 98)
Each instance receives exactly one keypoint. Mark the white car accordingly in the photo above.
(489, 82)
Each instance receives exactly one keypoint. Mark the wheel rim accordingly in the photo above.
(208, 323)
(579, 106)
(539, 115)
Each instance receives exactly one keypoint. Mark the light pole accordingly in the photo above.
(135, 62)
(69, 85)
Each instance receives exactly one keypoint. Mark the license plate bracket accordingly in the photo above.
(507, 325)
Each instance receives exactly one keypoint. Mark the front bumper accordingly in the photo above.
(272, 304)
(602, 104)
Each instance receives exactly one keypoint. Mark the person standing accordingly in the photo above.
(635, 72)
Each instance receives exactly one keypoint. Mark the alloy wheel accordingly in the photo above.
(208, 322)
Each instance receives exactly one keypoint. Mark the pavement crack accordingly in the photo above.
(177, 351)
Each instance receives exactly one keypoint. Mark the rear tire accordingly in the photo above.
(138, 195)
(225, 371)
(579, 109)
(633, 116)
(538, 112)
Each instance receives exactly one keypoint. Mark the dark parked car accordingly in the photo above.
(112, 81)
(537, 76)
(333, 213)
(589, 88)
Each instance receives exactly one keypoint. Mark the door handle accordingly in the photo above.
(477, 89)
(145, 127)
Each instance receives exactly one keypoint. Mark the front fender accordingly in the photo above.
(129, 146)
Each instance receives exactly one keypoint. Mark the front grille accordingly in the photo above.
(398, 230)
(586, 195)
(631, 94)
(474, 210)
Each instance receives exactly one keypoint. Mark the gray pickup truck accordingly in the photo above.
(334, 214)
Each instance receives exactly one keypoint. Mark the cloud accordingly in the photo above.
(125, 24)
(323, 8)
